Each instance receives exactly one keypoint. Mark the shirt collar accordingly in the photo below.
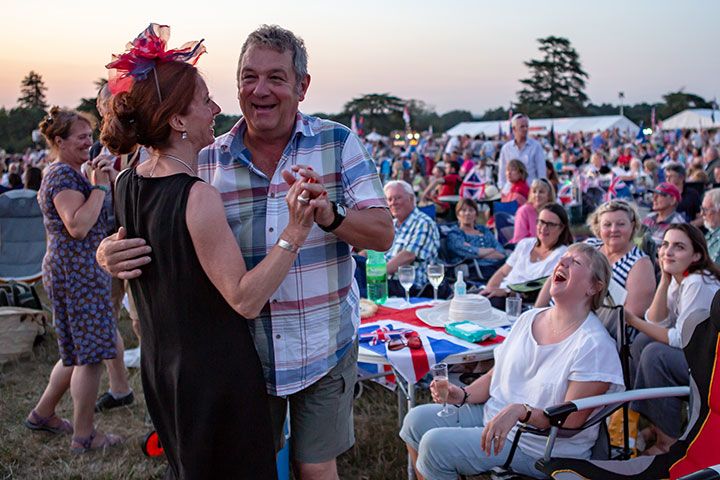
(304, 125)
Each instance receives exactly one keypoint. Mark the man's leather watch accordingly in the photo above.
(340, 213)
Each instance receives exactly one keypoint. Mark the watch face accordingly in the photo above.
(341, 210)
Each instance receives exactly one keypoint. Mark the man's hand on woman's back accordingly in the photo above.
(122, 257)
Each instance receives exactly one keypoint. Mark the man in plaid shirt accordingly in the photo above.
(306, 334)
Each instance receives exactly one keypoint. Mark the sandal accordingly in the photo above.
(85, 443)
(41, 424)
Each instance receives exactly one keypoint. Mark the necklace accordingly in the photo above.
(561, 332)
(171, 157)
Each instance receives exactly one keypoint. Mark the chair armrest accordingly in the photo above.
(710, 473)
(557, 414)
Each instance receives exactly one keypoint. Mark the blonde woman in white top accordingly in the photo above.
(552, 355)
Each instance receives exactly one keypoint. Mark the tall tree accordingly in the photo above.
(381, 111)
(32, 92)
(676, 102)
(556, 86)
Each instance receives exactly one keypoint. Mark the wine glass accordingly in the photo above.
(435, 274)
(406, 277)
(440, 377)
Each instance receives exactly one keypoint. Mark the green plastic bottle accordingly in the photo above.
(376, 274)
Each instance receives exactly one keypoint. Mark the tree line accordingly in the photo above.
(554, 88)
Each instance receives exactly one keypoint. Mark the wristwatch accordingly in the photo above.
(340, 212)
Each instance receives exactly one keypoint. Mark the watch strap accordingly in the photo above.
(337, 219)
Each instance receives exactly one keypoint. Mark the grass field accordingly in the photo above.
(377, 454)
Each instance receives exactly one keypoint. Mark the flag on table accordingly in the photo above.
(551, 135)
(714, 107)
(411, 364)
(361, 126)
(510, 115)
(406, 116)
(353, 125)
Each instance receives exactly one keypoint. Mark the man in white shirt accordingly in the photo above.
(522, 148)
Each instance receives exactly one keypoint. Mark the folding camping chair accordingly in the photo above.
(22, 237)
(602, 448)
(695, 450)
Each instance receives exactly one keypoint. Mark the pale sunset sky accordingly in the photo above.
(451, 54)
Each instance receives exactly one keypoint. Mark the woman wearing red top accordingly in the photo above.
(517, 187)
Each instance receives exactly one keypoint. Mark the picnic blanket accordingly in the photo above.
(411, 364)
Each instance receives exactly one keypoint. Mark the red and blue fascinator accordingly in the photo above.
(144, 53)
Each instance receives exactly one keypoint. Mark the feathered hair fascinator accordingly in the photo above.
(144, 53)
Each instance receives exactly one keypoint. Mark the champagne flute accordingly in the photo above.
(406, 277)
(435, 273)
(440, 377)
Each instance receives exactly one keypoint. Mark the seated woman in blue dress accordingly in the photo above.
(469, 241)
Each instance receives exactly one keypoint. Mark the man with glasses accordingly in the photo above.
(711, 220)
(666, 198)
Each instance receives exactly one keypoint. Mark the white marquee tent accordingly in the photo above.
(693, 118)
(542, 126)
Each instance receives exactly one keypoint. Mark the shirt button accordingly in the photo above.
(274, 300)
(278, 336)
(272, 195)
(271, 229)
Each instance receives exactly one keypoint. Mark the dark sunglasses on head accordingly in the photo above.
(409, 339)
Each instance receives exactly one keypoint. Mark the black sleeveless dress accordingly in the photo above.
(201, 374)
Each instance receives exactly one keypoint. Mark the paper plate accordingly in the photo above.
(439, 315)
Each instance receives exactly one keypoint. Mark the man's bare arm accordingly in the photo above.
(122, 257)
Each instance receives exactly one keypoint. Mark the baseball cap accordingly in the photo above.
(669, 189)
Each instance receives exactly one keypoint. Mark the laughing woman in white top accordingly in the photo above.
(687, 286)
(533, 258)
(551, 356)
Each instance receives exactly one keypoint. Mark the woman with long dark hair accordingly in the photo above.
(687, 286)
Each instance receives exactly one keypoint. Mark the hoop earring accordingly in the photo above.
(184, 135)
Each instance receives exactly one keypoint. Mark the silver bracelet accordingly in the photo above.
(285, 245)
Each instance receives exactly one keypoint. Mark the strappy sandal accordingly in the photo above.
(39, 423)
(85, 443)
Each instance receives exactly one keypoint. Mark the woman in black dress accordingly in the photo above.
(201, 375)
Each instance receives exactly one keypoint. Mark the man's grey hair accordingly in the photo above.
(280, 40)
(401, 183)
(518, 116)
(714, 196)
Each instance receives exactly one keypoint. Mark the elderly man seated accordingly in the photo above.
(416, 238)
(666, 198)
(416, 243)
(711, 220)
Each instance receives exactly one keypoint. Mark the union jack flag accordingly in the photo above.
(472, 186)
(617, 189)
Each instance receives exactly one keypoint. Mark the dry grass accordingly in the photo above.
(377, 454)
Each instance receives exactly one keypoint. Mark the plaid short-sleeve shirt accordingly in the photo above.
(311, 320)
(418, 234)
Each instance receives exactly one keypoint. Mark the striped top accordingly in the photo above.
(311, 320)
(621, 268)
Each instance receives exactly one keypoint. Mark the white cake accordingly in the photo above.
(474, 308)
